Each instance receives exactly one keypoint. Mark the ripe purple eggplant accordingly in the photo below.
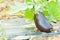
(41, 23)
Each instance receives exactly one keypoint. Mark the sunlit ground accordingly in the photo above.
(13, 28)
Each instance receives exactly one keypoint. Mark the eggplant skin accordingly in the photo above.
(42, 29)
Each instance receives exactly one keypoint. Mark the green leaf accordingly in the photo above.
(28, 0)
(29, 13)
(45, 13)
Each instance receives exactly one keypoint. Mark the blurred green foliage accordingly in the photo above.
(29, 13)
(51, 9)
(1, 1)
(53, 13)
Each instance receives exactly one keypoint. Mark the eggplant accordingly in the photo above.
(41, 23)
